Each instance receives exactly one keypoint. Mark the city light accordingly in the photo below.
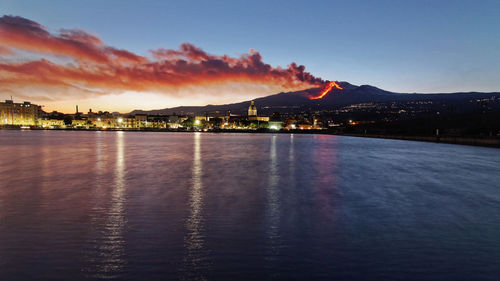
(37, 118)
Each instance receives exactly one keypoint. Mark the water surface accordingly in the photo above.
(190, 206)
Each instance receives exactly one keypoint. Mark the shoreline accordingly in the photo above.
(493, 142)
(470, 141)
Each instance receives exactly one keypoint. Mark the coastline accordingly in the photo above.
(493, 142)
(473, 141)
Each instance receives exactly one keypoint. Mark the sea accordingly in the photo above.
(98, 205)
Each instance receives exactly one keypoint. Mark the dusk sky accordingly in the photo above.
(125, 55)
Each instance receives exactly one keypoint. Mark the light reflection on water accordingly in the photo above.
(107, 257)
(325, 180)
(196, 261)
(273, 205)
(155, 206)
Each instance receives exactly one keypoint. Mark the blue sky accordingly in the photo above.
(404, 46)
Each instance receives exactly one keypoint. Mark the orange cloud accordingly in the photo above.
(5, 51)
(98, 68)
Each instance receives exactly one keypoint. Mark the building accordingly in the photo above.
(101, 119)
(174, 121)
(252, 114)
(141, 120)
(80, 123)
(252, 109)
(259, 118)
(51, 123)
(275, 125)
(157, 121)
(22, 114)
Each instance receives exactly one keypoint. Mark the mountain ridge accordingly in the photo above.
(299, 100)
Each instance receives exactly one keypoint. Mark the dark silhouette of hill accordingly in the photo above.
(299, 101)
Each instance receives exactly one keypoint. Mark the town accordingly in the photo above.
(433, 119)
(26, 115)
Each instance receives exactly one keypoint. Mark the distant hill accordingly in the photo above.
(299, 101)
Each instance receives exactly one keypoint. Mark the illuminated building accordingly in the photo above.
(141, 120)
(317, 124)
(101, 119)
(125, 122)
(25, 113)
(259, 118)
(305, 126)
(291, 124)
(252, 109)
(252, 114)
(157, 121)
(51, 123)
(275, 125)
(174, 121)
(80, 123)
(201, 118)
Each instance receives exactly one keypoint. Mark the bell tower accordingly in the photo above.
(252, 109)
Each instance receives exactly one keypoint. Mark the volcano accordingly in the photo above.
(337, 97)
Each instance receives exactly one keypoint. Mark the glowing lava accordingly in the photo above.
(326, 90)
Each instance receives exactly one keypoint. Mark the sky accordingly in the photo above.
(125, 55)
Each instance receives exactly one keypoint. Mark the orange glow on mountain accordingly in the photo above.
(326, 90)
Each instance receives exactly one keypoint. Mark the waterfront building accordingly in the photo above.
(127, 121)
(157, 121)
(174, 121)
(291, 124)
(201, 118)
(80, 123)
(141, 120)
(21, 114)
(101, 119)
(317, 123)
(305, 127)
(275, 125)
(51, 123)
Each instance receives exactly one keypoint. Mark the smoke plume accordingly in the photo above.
(75, 62)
